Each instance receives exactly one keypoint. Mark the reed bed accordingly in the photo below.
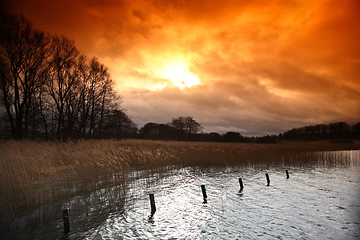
(39, 178)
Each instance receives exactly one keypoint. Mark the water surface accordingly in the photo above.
(315, 202)
(320, 201)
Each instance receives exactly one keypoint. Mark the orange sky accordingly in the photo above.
(256, 67)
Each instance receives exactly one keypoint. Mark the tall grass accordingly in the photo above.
(39, 178)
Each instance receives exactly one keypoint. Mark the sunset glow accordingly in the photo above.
(178, 74)
(257, 67)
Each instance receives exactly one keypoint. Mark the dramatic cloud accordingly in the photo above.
(257, 67)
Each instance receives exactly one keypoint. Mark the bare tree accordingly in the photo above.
(23, 52)
(63, 81)
(97, 97)
(45, 84)
(100, 89)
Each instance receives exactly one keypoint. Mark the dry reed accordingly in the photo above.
(38, 178)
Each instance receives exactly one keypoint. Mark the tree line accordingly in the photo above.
(186, 129)
(50, 90)
(337, 130)
(172, 131)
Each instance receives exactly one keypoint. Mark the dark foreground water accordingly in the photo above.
(316, 202)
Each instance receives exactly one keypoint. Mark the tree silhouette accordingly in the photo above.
(232, 137)
(47, 86)
(63, 84)
(186, 125)
(118, 123)
(24, 52)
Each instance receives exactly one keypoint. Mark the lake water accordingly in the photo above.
(316, 202)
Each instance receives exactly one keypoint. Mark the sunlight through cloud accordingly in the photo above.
(178, 73)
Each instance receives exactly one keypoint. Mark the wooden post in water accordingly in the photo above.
(241, 185)
(268, 179)
(287, 174)
(204, 193)
(66, 220)
(152, 204)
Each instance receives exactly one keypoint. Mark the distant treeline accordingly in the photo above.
(337, 130)
(333, 131)
(156, 131)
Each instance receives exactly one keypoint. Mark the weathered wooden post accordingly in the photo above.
(66, 220)
(204, 193)
(241, 185)
(287, 174)
(268, 179)
(152, 204)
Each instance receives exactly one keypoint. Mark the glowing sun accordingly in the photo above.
(178, 73)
